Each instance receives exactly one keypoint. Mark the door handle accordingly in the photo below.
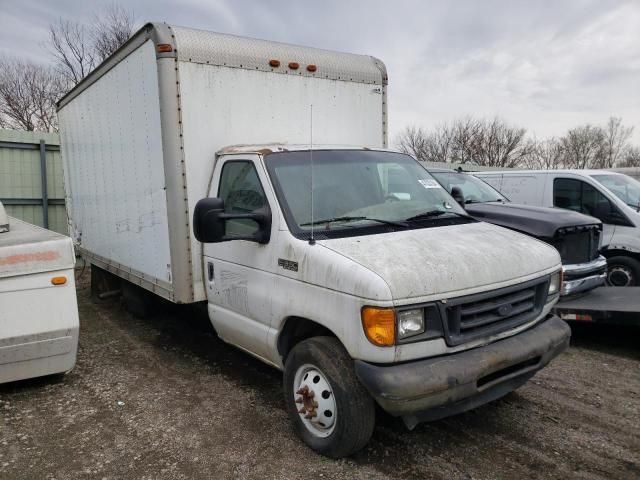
(210, 271)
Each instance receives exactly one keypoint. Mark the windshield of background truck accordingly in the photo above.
(355, 189)
(625, 188)
(473, 189)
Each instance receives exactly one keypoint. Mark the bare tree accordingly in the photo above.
(544, 154)
(78, 48)
(412, 140)
(497, 144)
(631, 157)
(28, 93)
(583, 147)
(111, 29)
(70, 46)
(616, 138)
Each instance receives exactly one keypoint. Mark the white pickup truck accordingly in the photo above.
(38, 308)
(190, 174)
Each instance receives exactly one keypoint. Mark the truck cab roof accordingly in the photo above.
(268, 148)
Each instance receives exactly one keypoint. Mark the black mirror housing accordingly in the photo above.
(209, 222)
(457, 195)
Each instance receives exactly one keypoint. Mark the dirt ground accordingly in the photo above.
(165, 398)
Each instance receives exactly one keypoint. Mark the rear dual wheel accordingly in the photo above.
(329, 408)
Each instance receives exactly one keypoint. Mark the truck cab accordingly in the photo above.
(354, 271)
(613, 198)
(576, 236)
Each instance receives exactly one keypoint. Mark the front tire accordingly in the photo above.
(623, 271)
(330, 409)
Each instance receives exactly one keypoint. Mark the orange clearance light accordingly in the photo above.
(164, 48)
(274, 63)
(311, 68)
(294, 65)
(58, 280)
(379, 325)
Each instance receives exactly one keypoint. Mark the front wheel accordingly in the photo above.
(623, 271)
(330, 410)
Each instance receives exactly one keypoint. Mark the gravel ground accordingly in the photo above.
(165, 398)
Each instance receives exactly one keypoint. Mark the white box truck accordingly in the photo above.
(190, 173)
(38, 308)
(613, 198)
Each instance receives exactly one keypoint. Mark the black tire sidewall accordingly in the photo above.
(355, 408)
(628, 263)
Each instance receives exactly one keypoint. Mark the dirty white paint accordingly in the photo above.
(113, 164)
(38, 320)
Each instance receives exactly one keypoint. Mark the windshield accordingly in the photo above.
(625, 188)
(356, 188)
(473, 189)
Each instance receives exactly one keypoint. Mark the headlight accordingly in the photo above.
(410, 322)
(555, 283)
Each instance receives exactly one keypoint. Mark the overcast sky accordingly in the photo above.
(543, 65)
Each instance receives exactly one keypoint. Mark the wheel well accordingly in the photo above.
(620, 253)
(297, 329)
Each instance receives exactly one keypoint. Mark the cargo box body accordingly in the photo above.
(140, 134)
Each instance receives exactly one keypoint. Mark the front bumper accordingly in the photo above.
(584, 276)
(435, 388)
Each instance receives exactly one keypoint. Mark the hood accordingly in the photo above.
(450, 260)
(536, 221)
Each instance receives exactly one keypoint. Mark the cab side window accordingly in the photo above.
(242, 192)
(579, 196)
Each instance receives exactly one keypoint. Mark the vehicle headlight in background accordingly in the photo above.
(410, 322)
(555, 283)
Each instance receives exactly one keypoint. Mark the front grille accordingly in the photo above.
(577, 244)
(485, 314)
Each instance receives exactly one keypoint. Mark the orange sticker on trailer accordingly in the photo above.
(46, 256)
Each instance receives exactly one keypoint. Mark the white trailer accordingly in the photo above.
(38, 308)
(189, 172)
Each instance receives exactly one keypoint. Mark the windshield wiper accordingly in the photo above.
(328, 221)
(432, 214)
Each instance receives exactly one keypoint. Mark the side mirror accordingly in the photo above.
(210, 222)
(457, 195)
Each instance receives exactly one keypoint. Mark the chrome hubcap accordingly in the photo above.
(619, 276)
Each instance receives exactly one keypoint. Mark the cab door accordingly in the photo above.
(239, 273)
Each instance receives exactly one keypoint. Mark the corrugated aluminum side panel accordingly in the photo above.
(112, 148)
(224, 106)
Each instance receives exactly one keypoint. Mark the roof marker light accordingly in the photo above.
(294, 65)
(311, 68)
(274, 63)
(164, 48)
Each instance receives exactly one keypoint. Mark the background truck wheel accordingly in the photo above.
(330, 410)
(138, 301)
(623, 271)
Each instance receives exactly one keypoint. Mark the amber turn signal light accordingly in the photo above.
(379, 325)
(58, 280)
(164, 48)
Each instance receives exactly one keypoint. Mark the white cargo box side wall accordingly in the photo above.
(224, 106)
(114, 175)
